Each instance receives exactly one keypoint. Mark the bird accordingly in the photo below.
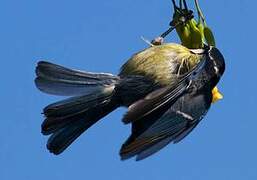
(166, 88)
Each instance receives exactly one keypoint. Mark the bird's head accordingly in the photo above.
(218, 67)
(218, 61)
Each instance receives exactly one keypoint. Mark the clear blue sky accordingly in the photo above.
(100, 36)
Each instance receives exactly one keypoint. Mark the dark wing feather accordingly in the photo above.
(154, 149)
(187, 131)
(163, 123)
(190, 126)
(154, 101)
(161, 98)
(157, 136)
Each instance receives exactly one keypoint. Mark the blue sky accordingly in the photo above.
(100, 36)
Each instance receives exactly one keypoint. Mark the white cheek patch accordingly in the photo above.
(216, 70)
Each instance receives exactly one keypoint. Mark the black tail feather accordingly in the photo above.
(93, 98)
(62, 138)
(65, 130)
(58, 80)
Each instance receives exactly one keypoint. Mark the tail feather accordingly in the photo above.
(62, 138)
(93, 98)
(66, 132)
(77, 104)
(73, 109)
(58, 80)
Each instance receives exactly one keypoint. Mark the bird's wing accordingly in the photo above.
(155, 123)
(172, 126)
(157, 102)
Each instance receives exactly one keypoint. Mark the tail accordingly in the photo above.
(58, 80)
(93, 98)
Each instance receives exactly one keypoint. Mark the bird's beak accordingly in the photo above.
(216, 95)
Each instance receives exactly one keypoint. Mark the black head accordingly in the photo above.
(210, 69)
(215, 65)
(218, 61)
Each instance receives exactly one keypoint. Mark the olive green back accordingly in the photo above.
(162, 63)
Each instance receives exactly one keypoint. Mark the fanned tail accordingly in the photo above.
(68, 119)
(93, 98)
